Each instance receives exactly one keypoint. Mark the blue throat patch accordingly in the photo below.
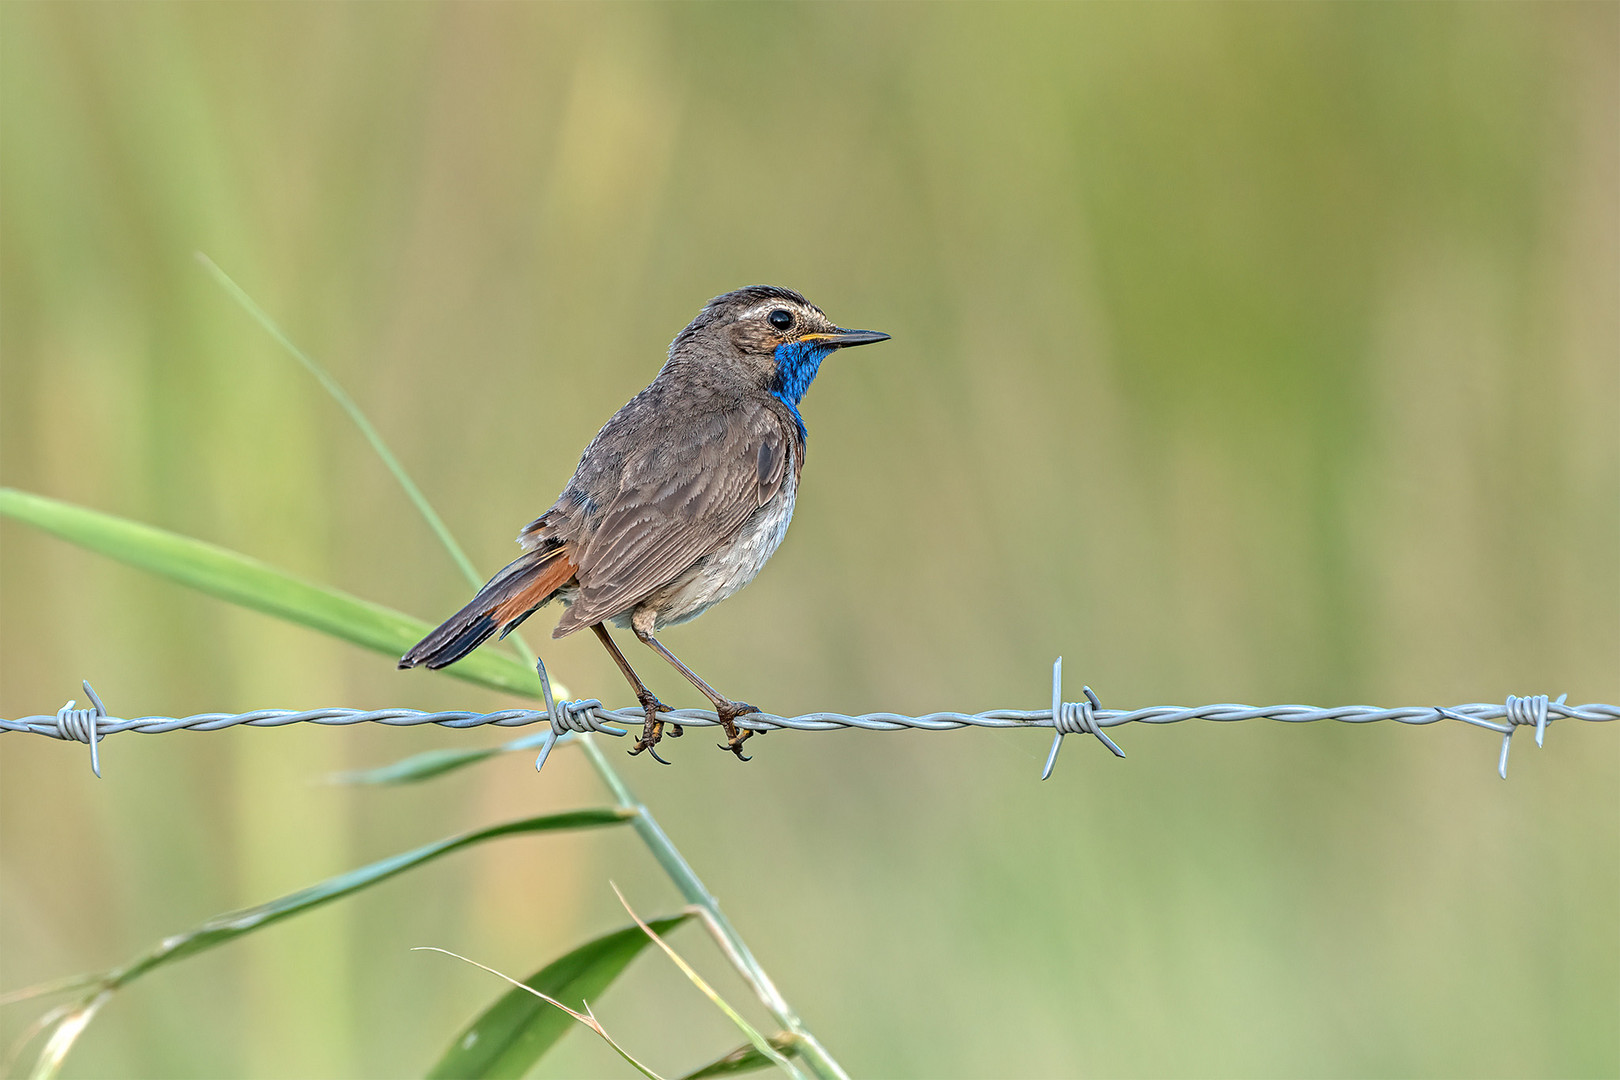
(796, 365)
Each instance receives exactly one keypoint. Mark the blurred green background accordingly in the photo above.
(1241, 353)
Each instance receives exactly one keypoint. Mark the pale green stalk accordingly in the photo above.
(820, 1062)
(759, 1041)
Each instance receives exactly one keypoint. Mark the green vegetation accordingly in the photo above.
(1241, 352)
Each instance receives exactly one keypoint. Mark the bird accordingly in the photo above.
(677, 502)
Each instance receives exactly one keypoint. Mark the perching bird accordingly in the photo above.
(677, 502)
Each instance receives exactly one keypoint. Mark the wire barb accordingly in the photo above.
(1518, 712)
(1073, 718)
(83, 725)
(567, 717)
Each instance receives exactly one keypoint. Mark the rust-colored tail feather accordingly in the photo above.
(510, 597)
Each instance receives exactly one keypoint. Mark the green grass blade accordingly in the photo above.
(343, 399)
(222, 929)
(506, 1039)
(747, 1058)
(244, 580)
(232, 925)
(431, 764)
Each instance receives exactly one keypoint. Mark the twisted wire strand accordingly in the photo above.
(1494, 717)
(1063, 718)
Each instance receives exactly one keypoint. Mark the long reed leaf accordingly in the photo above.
(231, 925)
(244, 580)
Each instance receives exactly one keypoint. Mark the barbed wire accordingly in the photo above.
(1086, 717)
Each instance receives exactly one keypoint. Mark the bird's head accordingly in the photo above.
(774, 335)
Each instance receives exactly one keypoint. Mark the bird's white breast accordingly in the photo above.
(734, 566)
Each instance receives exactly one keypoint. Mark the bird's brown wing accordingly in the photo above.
(679, 499)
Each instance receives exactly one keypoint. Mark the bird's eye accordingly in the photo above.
(781, 318)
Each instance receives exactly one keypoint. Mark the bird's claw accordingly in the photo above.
(737, 748)
(735, 736)
(653, 729)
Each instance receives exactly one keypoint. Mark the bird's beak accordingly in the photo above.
(843, 339)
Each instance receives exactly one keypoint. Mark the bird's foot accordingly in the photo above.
(728, 712)
(653, 729)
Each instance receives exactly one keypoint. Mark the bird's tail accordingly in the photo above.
(510, 597)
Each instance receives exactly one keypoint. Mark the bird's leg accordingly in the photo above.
(727, 709)
(653, 729)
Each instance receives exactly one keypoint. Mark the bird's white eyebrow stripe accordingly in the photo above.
(780, 302)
